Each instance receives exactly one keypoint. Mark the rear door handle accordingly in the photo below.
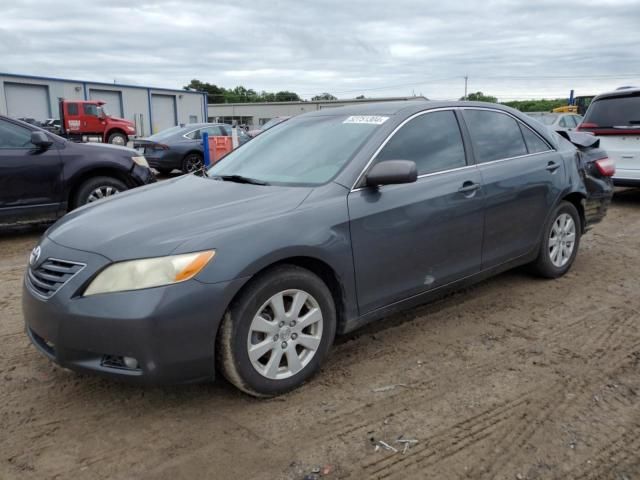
(552, 166)
(469, 188)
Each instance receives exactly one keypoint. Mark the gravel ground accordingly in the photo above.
(515, 378)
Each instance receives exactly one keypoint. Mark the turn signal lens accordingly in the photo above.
(195, 266)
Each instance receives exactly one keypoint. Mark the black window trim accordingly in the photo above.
(468, 160)
(519, 122)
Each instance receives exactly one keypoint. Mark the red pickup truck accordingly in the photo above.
(86, 121)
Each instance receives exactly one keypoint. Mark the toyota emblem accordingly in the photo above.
(35, 255)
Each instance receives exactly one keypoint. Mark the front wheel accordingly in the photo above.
(96, 189)
(192, 163)
(276, 334)
(560, 242)
(118, 139)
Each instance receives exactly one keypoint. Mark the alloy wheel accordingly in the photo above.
(101, 192)
(193, 163)
(285, 334)
(562, 240)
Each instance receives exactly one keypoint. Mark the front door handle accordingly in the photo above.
(552, 166)
(469, 188)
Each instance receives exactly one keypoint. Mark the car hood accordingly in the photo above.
(105, 146)
(155, 220)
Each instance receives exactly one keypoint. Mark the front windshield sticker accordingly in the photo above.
(369, 119)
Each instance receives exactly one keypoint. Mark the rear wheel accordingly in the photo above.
(276, 334)
(118, 139)
(560, 242)
(97, 188)
(192, 163)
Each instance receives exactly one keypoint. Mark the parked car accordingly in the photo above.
(43, 176)
(181, 147)
(558, 121)
(330, 221)
(614, 118)
(269, 124)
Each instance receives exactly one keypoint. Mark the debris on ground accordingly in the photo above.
(387, 388)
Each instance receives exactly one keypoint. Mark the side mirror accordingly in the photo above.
(40, 139)
(391, 172)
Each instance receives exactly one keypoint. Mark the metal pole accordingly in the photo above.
(466, 78)
(205, 146)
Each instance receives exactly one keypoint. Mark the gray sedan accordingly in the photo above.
(332, 220)
(180, 148)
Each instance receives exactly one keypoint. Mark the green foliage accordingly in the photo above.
(480, 97)
(543, 105)
(324, 96)
(239, 94)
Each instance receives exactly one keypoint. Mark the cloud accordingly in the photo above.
(376, 48)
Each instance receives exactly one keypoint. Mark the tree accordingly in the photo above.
(360, 97)
(542, 105)
(480, 97)
(324, 96)
(239, 94)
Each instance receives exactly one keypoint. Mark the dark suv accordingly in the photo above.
(42, 176)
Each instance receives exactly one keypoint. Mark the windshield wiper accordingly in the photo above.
(240, 179)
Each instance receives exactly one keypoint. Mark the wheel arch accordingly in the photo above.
(577, 200)
(77, 182)
(316, 266)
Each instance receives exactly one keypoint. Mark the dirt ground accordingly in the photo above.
(516, 378)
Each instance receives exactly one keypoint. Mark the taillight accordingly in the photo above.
(606, 167)
(584, 125)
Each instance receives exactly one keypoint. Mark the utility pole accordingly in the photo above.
(466, 78)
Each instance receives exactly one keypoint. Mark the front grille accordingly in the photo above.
(51, 275)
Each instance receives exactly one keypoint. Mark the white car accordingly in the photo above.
(557, 121)
(614, 118)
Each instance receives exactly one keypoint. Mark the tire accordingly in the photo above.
(118, 139)
(192, 162)
(90, 190)
(260, 377)
(553, 263)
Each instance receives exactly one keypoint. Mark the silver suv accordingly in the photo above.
(614, 118)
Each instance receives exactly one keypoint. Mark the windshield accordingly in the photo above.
(545, 118)
(623, 111)
(164, 134)
(273, 122)
(305, 150)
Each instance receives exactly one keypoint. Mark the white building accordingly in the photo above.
(151, 109)
(256, 114)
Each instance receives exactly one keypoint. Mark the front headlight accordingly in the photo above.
(149, 272)
(140, 160)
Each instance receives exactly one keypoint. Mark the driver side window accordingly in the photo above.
(432, 140)
(14, 136)
(90, 109)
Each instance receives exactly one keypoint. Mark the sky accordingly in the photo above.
(512, 49)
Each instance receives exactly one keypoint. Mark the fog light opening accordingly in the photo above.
(117, 361)
(130, 362)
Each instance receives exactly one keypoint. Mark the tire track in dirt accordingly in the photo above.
(543, 403)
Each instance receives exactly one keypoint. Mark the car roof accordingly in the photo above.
(406, 107)
(623, 92)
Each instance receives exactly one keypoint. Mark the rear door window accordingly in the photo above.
(495, 135)
(72, 109)
(433, 141)
(612, 112)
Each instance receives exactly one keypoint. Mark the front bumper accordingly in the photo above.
(169, 330)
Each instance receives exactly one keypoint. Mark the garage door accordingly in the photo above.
(27, 101)
(163, 112)
(112, 99)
